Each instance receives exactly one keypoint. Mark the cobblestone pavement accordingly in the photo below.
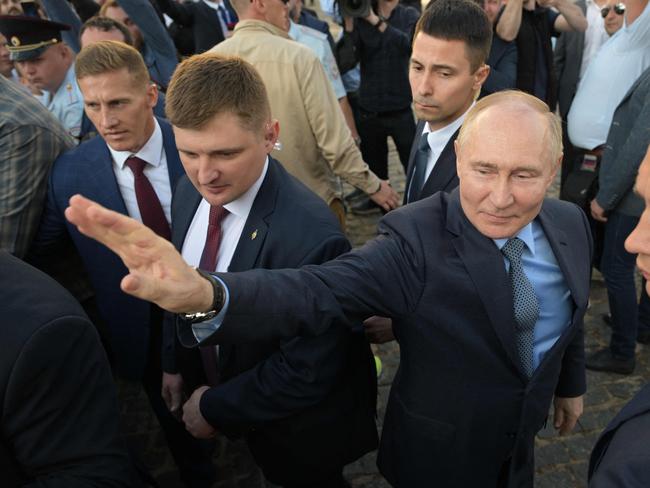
(561, 462)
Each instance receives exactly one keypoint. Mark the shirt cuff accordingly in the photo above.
(203, 330)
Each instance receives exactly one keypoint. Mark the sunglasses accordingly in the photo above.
(619, 9)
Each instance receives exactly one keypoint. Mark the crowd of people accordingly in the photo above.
(177, 166)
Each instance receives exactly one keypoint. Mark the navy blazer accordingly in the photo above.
(88, 169)
(620, 456)
(460, 405)
(503, 66)
(312, 398)
(443, 177)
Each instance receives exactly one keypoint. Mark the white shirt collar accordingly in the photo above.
(442, 135)
(213, 4)
(151, 152)
(241, 206)
(525, 234)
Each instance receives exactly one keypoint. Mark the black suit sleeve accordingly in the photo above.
(60, 416)
(384, 277)
(179, 12)
(298, 375)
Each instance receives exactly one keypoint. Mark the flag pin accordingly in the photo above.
(254, 235)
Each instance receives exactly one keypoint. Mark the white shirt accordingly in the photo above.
(438, 139)
(231, 227)
(595, 35)
(611, 73)
(153, 152)
(220, 13)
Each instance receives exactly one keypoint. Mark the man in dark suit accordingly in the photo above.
(451, 44)
(487, 287)
(620, 456)
(119, 99)
(211, 21)
(59, 419)
(305, 406)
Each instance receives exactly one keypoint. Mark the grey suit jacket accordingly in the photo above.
(568, 59)
(627, 142)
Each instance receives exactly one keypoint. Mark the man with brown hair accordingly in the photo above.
(131, 168)
(316, 145)
(305, 406)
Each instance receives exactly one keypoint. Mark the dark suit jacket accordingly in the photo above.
(59, 414)
(620, 456)
(503, 66)
(568, 59)
(88, 169)
(202, 19)
(460, 406)
(307, 404)
(627, 142)
(442, 178)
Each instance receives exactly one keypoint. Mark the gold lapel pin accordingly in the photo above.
(254, 235)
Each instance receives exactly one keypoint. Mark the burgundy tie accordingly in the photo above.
(209, 263)
(148, 202)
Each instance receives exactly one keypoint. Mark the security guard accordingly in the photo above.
(47, 63)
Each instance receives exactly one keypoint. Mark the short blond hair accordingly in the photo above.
(209, 84)
(106, 56)
(516, 98)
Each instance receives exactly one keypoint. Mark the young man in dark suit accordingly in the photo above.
(487, 287)
(446, 72)
(132, 168)
(305, 406)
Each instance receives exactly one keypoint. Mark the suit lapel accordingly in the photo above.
(174, 166)
(443, 171)
(411, 164)
(101, 184)
(485, 265)
(184, 214)
(256, 227)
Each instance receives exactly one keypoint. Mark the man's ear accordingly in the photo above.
(271, 133)
(480, 76)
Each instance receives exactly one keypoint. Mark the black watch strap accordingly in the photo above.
(218, 300)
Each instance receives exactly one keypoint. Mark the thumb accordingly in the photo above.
(559, 418)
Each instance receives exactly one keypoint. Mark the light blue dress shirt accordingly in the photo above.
(551, 290)
(67, 104)
(611, 73)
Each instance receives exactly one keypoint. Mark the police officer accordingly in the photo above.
(47, 63)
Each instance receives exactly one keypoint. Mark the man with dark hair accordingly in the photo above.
(132, 167)
(447, 69)
(305, 406)
(100, 28)
(487, 286)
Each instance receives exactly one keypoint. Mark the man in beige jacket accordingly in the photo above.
(315, 144)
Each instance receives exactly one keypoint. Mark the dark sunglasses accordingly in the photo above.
(619, 9)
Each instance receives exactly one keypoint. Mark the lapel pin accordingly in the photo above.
(254, 235)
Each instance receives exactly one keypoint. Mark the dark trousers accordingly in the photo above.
(375, 128)
(617, 266)
(192, 456)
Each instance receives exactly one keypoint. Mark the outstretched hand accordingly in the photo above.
(157, 272)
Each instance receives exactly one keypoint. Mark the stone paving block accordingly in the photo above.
(551, 454)
(558, 478)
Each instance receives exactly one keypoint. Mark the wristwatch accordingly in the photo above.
(217, 301)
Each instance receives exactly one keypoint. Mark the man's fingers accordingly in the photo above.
(559, 418)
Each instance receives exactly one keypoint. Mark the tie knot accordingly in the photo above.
(136, 164)
(513, 249)
(217, 214)
(424, 142)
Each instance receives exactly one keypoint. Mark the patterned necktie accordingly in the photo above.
(421, 159)
(209, 263)
(149, 205)
(525, 303)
